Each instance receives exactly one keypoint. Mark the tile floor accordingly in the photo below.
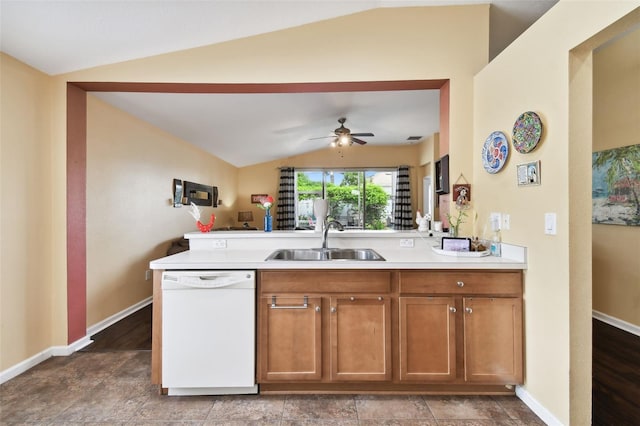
(113, 388)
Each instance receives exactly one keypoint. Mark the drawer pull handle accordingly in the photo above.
(352, 298)
(469, 310)
(460, 283)
(305, 305)
(453, 309)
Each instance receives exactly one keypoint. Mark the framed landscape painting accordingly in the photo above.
(615, 190)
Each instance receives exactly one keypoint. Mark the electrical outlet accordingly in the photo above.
(148, 275)
(219, 243)
(406, 242)
(496, 221)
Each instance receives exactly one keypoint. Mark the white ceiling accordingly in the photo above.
(63, 36)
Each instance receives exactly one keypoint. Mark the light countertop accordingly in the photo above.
(249, 249)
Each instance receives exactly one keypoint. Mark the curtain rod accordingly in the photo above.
(342, 168)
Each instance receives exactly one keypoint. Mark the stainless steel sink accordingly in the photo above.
(325, 254)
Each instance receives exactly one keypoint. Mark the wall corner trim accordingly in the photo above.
(616, 322)
(537, 408)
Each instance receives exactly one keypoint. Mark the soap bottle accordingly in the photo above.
(495, 243)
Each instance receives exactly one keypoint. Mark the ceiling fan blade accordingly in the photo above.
(322, 137)
(362, 134)
(356, 140)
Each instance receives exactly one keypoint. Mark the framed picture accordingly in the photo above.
(529, 173)
(462, 195)
(456, 244)
(615, 185)
(257, 198)
(199, 194)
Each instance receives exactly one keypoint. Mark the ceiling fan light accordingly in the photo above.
(333, 144)
(345, 139)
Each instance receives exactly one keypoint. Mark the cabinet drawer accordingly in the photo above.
(322, 281)
(457, 282)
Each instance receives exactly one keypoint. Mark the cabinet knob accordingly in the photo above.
(460, 283)
(352, 298)
(333, 309)
(380, 298)
(317, 308)
(453, 309)
(468, 310)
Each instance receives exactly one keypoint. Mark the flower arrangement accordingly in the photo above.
(265, 204)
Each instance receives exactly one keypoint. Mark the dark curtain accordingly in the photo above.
(402, 214)
(286, 213)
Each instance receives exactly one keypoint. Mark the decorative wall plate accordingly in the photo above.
(495, 152)
(526, 132)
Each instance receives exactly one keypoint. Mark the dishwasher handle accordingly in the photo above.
(211, 281)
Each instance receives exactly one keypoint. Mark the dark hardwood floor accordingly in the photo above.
(616, 364)
(130, 333)
(616, 376)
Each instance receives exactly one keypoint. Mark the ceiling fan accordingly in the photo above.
(343, 136)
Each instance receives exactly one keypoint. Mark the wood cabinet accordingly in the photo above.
(383, 331)
(333, 326)
(469, 320)
(360, 338)
(493, 339)
(427, 339)
(290, 330)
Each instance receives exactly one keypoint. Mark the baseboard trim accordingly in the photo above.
(540, 410)
(616, 322)
(67, 350)
(96, 328)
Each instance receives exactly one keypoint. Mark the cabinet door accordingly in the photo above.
(493, 340)
(427, 339)
(290, 338)
(360, 338)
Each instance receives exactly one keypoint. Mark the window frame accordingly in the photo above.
(324, 171)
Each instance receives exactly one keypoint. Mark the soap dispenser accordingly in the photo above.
(495, 243)
(495, 248)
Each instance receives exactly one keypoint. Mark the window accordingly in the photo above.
(358, 199)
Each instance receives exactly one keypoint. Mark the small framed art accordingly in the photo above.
(528, 173)
(456, 244)
(257, 198)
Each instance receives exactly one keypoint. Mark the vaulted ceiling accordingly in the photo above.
(63, 36)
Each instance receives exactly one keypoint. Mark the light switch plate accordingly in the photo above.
(550, 224)
(496, 221)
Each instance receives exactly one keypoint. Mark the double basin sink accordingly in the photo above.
(328, 254)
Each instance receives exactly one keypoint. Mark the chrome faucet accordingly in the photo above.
(325, 231)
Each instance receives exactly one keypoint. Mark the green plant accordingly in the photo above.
(454, 225)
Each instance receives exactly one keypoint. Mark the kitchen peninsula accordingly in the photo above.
(417, 322)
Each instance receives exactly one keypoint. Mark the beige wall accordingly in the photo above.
(397, 44)
(534, 73)
(382, 44)
(26, 302)
(130, 219)
(616, 275)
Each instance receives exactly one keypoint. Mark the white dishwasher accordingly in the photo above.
(208, 332)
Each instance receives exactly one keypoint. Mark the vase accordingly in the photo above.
(320, 209)
(268, 223)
